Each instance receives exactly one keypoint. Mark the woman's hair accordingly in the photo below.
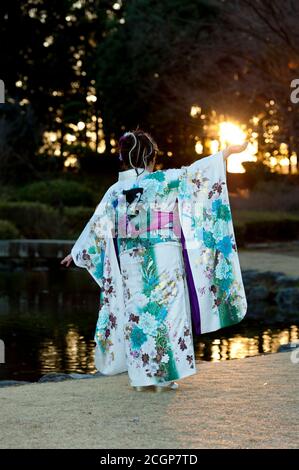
(137, 149)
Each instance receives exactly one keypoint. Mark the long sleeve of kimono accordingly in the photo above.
(95, 251)
(210, 248)
(89, 251)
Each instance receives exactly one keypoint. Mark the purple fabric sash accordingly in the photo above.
(195, 310)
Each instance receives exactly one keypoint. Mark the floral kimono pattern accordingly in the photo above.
(162, 248)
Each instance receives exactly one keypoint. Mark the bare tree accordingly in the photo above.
(260, 39)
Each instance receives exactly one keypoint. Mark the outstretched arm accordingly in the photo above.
(205, 161)
(67, 260)
(234, 149)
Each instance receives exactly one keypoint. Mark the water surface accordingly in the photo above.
(48, 318)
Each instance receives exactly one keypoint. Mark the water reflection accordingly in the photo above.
(70, 348)
(47, 323)
(49, 356)
(245, 344)
(76, 355)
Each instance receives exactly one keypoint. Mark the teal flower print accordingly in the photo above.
(153, 308)
(184, 190)
(92, 250)
(196, 225)
(98, 272)
(225, 246)
(208, 239)
(216, 204)
(162, 314)
(174, 184)
(157, 175)
(138, 337)
(152, 187)
(225, 284)
(224, 212)
(103, 319)
(219, 230)
(148, 323)
(222, 269)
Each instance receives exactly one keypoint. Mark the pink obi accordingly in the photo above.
(146, 222)
(165, 220)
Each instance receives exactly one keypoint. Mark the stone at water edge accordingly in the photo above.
(288, 347)
(9, 383)
(257, 293)
(288, 298)
(86, 376)
(61, 376)
(55, 377)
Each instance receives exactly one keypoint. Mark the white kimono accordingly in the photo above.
(161, 247)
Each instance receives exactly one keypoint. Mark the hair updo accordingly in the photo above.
(137, 149)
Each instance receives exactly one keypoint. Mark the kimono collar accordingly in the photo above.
(131, 174)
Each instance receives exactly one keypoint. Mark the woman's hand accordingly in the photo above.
(67, 260)
(234, 149)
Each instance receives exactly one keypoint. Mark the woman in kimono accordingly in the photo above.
(162, 249)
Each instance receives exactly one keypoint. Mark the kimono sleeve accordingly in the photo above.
(215, 162)
(198, 180)
(209, 244)
(89, 250)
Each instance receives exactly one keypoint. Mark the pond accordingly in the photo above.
(48, 318)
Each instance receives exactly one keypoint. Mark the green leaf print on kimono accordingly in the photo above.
(217, 238)
(228, 313)
(166, 368)
(149, 273)
(149, 338)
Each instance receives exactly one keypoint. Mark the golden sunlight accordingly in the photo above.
(231, 133)
(195, 111)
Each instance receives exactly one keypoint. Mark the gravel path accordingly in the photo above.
(245, 403)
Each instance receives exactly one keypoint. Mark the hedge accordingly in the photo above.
(33, 220)
(36, 220)
(8, 230)
(75, 219)
(265, 226)
(57, 192)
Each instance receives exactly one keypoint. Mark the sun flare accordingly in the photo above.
(231, 133)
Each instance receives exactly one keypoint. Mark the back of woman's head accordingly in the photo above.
(137, 149)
